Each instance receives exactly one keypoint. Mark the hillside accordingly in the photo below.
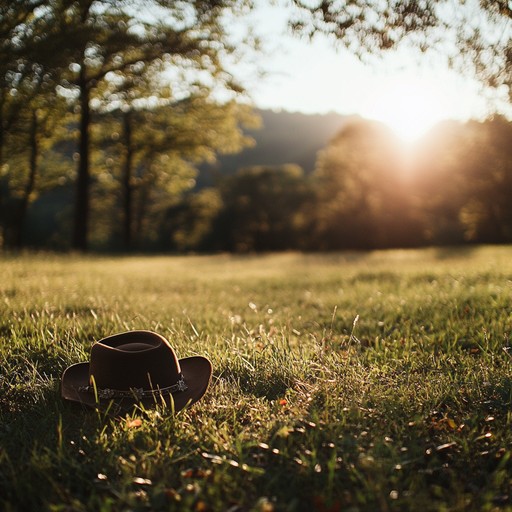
(284, 137)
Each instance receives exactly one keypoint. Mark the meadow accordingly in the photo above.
(369, 381)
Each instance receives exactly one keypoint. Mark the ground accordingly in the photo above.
(351, 381)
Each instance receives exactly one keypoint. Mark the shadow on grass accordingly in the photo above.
(44, 421)
(258, 382)
(42, 447)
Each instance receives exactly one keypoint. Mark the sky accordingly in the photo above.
(409, 95)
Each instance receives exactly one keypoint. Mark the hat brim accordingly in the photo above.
(196, 370)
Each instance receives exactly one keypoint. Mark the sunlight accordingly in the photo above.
(409, 106)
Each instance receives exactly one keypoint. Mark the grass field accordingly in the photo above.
(359, 381)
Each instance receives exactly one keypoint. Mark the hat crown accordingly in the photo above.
(135, 359)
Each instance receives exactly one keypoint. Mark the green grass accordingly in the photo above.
(355, 381)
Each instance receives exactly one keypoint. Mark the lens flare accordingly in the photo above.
(409, 106)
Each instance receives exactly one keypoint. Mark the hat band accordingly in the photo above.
(107, 393)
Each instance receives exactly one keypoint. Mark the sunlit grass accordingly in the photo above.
(354, 381)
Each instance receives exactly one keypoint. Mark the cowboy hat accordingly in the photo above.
(136, 367)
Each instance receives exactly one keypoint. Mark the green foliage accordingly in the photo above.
(189, 224)
(29, 109)
(164, 145)
(119, 60)
(99, 56)
(264, 208)
(364, 381)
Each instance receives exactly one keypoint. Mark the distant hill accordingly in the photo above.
(284, 138)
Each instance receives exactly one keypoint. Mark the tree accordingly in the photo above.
(27, 59)
(487, 161)
(462, 182)
(158, 150)
(29, 64)
(439, 183)
(32, 137)
(189, 225)
(475, 36)
(263, 210)
(120, 47)
(363, 194)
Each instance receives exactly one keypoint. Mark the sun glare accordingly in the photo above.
(409, 106)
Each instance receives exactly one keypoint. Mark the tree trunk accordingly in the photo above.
(1, 138)
(81, 219)
(127, 182)
(2, 213)
(143, 199)
(29, 186)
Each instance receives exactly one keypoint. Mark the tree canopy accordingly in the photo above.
(100, 56)
(474, 36)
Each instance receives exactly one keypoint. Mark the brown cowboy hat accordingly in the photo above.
(136, 367)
